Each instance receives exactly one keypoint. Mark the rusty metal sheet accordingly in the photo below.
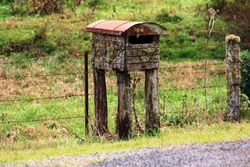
(117, 27)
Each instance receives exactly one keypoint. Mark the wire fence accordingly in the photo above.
(173, 78)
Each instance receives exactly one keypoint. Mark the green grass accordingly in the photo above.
(185, 42)
(169, 136)
(185, 38)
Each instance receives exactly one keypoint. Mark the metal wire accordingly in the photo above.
(40, 120)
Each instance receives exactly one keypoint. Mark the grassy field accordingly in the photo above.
(42, 57)
(169, 136)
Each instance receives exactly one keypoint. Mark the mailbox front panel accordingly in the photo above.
(108, 52)
(142, 55)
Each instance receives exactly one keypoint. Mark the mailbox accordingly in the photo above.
(125, 45)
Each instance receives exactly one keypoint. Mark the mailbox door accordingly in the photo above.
(142, 52)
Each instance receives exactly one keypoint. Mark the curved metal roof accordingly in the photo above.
(117, 27)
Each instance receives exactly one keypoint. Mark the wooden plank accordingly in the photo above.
(142, 52)
(124, 105)
(142, 59)
(101, 110)
(141, 46)
(152, 104)
(142, 66)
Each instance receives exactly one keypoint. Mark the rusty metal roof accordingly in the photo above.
(117, 27)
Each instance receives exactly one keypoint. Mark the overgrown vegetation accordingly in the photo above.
(43, 41)
(245, 73)
(237, 11)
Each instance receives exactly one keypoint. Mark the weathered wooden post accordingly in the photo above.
(124, 105)
(126, 46)
(233, 77)
(152, 105)
(86, 90)
(100, 100)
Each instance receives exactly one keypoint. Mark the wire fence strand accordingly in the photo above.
(164, 70)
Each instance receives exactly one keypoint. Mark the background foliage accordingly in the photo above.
(245, 73)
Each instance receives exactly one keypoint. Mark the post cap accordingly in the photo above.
(232, 39)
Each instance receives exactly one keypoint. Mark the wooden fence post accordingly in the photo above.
(101, 109)
(233, 77)
(152, 104)
(86, 87)
(124, 105)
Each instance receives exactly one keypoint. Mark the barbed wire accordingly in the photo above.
(80, 95)
(42, 98)
(39, 75)
(193, 66)
(41, 120)
(194, 88)
(28, 59)
(21, 77)
(92, 94)
(90, 71)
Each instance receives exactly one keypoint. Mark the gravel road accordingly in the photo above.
(233, 154)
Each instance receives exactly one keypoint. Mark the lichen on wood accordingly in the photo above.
(152, 105)
(233, 77)
(108, 52)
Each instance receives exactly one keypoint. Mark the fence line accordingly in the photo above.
(81, 95)
(109, 93)
(40, 75)
(38, 58)
(81, 73)
(194, 88)
(42, 98)
(73, 74)
(41, 120)
(193, 66)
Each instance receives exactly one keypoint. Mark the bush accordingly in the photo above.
(41, 7)
(236, 10)
(245, 73)
(244, 106)
(167, 17)
(93, 3)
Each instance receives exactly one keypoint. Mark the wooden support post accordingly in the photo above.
(124, 105)
(86, 78)
(233, 77)
(152, 104)
(101, 109)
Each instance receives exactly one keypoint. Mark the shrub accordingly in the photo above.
(93, 3)
(41, 7)
(245, 73)
(236, 10)
(167, 17)
(244, 106)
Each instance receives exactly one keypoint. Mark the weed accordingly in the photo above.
(167, 17)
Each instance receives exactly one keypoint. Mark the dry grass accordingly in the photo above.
(24, 81)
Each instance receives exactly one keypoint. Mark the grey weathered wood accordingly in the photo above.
(114, 53)
(142, 59)
(152, 104)
(86, 88)
(233, 76)
(124, 105)
(141, 66)
(101, 114)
